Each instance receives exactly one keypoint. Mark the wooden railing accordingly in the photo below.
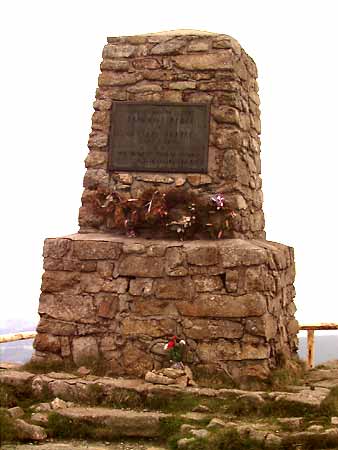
(17, 336)
(311, 339)
(309, 328)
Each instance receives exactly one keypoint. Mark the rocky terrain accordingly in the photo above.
(67, 410)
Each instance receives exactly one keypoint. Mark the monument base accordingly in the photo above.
(119, 300)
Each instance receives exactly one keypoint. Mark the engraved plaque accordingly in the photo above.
(159, 137)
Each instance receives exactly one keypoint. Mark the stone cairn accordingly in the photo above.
(118, 299)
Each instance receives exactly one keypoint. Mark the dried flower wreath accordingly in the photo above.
(176, 212)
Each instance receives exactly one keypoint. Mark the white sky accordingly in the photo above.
(50, 56)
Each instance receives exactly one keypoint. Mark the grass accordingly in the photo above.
(214, 380)
(7, 429)
(221, 440)
(65, 428)
(47, 366)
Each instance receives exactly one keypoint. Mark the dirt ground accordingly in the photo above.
(84, 445)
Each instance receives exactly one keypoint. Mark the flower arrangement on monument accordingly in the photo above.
(178, 213)
(175, 348)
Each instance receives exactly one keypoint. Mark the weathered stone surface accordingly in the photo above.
(202, 256)
(181, 85)
(85, 348)
(58, 281)
(231, 280)
(19, 380)
(132, 326)
(230, 351)
(29, 432)
(142, 266)
(56, 248)
(168, 47)
(47, 343)
(199, 46)
(237, 253)
(204, 283)
(178, 288)
(211, 61)
(107, 305)
(214, 329)
(16, 412)
(262, 326)
(118, 285)
(218, 305)
(70, 308)
(118, 51)
(113, 64)
(156, 378)
(118, 79)
(121, 422)
(96, 250)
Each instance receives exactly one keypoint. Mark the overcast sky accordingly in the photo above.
(50, 56)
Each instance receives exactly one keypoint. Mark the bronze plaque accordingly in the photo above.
(159, 137)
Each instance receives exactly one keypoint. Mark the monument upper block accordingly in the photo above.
(177, 110)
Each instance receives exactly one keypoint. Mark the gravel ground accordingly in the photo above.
(84, 445)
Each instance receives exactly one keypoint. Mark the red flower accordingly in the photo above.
(171, 344)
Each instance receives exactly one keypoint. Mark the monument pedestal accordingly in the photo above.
(119, 300)
(174, 152)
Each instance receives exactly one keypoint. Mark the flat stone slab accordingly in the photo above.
(123, 422)
(307, 397)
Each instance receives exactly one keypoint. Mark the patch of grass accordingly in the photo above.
(65, 428)
(329, 406)
(182, 403)
(17, 396)
(48, 366)
(7, 429)
(170, 426)
(222, 440)
(7, 396)
(311, 442)
(281, 408)
(215, 380)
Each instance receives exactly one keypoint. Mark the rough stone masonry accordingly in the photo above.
(117, 299)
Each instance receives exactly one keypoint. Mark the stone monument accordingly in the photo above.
(171, 238)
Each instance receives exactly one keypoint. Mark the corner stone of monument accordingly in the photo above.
(171, 239)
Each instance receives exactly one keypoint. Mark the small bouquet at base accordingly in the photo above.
(175, 348)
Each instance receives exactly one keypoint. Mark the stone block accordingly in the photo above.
(96, 250)
(107, 305)
(168, 47)
(204, 283)
(68, 307)
(202, 256)
(57, 248)
(231, 280)
(206, 329)
(219, 305)
(141, 287)
(59, 281)
(135, 326)
(142, 266)
(85, 349)
(154, 307)
(118, 285)
(177, 288)
(230, 351)
(118, 51)
(47, 343)
(212, 61)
